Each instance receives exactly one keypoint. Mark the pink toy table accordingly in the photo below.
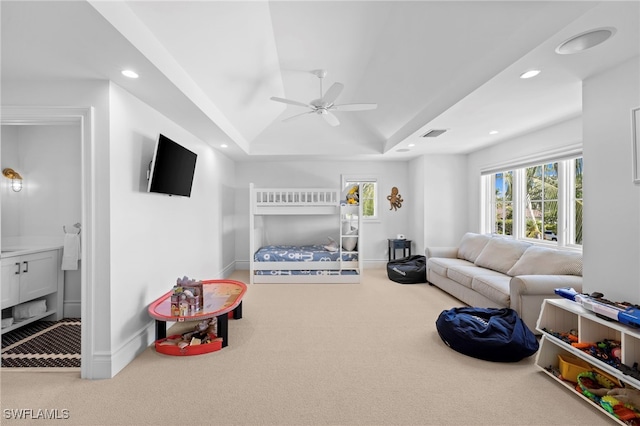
(219, 298)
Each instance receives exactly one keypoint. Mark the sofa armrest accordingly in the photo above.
(527, 293)
(449, 252)
(542, 284)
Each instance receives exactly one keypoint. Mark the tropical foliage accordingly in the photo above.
(541, 204)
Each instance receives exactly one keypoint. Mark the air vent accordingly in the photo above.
(434, 133)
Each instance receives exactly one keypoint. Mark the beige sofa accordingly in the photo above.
(497, 272)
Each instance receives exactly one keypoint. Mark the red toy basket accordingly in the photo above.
(214, 345)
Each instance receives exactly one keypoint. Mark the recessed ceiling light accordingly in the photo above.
(585, 41)
(411, 145)
(130, 73)
(493, 132)
(529, 74)
(224, 145)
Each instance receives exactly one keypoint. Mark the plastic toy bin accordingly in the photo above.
(570, 366)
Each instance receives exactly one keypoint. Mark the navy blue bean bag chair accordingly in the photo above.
(487, 333)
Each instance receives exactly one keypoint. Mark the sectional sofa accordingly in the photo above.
(499, 272)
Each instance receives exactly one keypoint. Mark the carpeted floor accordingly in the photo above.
(363, 354)
(43, 344)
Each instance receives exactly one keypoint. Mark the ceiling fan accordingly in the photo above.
(325, 104)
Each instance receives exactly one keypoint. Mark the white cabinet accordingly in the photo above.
(30, 277)
(563, 315)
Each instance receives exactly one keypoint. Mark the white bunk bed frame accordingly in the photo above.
(296, 201)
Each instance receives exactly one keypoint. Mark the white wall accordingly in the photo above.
(157, 238)
(48, 159)
(612, 201)
(440, 184)
(327, 174)
(11, 201)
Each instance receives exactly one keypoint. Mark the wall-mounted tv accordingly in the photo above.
(172, 168)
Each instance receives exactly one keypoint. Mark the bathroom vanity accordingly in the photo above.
(29, 274)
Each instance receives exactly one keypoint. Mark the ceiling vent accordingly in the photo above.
(434, 133)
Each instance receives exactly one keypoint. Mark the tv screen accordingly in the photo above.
(172, 168)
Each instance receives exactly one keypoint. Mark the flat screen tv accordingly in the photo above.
(172, 168)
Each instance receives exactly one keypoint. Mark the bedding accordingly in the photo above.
(307, 272)
(304, 253)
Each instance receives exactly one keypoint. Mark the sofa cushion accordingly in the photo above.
(464, 274)
(439, 265)
(493, 287)
(546, 261)
(500, 254)
(471, 245)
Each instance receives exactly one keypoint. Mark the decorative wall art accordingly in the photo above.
(635, 133)
(395, 199)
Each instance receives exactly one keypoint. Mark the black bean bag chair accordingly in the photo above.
(408, 270)
(486, 333)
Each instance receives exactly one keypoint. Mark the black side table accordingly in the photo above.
(394, 245)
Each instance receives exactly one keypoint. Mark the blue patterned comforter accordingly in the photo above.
(306, 253)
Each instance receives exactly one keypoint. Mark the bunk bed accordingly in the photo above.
(304, 263)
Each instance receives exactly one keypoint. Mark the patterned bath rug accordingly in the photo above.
(43, 344)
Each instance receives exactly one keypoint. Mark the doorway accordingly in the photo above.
(78, 123)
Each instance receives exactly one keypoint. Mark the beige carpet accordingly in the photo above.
(313, 354)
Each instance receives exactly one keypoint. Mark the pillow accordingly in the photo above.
(349, 243)
(331, 246)
(471, 246)
(546, 261)
(500, 254)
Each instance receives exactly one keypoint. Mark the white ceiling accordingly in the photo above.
(212, 66)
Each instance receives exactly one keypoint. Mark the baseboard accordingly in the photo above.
(133, 347)
(72, 309)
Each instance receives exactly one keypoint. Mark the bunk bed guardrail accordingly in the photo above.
(295, 197)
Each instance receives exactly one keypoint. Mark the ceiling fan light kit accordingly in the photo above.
(325, 103)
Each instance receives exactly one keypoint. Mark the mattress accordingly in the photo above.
(305, 253)
(306, 272)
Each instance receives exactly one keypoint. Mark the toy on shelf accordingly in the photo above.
(623, 312)
(204, 333)
(352, 196)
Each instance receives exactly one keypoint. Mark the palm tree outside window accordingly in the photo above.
(535, 202)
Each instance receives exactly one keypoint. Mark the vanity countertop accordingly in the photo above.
(12, 251)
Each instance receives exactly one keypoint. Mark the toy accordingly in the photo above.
(203, 333)
(623, 312)
(352, 196)
(187, 297)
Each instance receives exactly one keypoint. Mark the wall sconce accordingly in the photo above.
(16, 179)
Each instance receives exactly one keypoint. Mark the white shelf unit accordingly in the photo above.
(350, 217)
(563, 315)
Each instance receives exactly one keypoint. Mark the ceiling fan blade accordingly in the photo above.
(330, 118)
(332, 94)
(287, 101)
(354, 107)
(298, 115)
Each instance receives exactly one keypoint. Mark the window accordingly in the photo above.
(576, 237)
(541, 214)
(368, 195)
(540, 202)
(503, 203)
